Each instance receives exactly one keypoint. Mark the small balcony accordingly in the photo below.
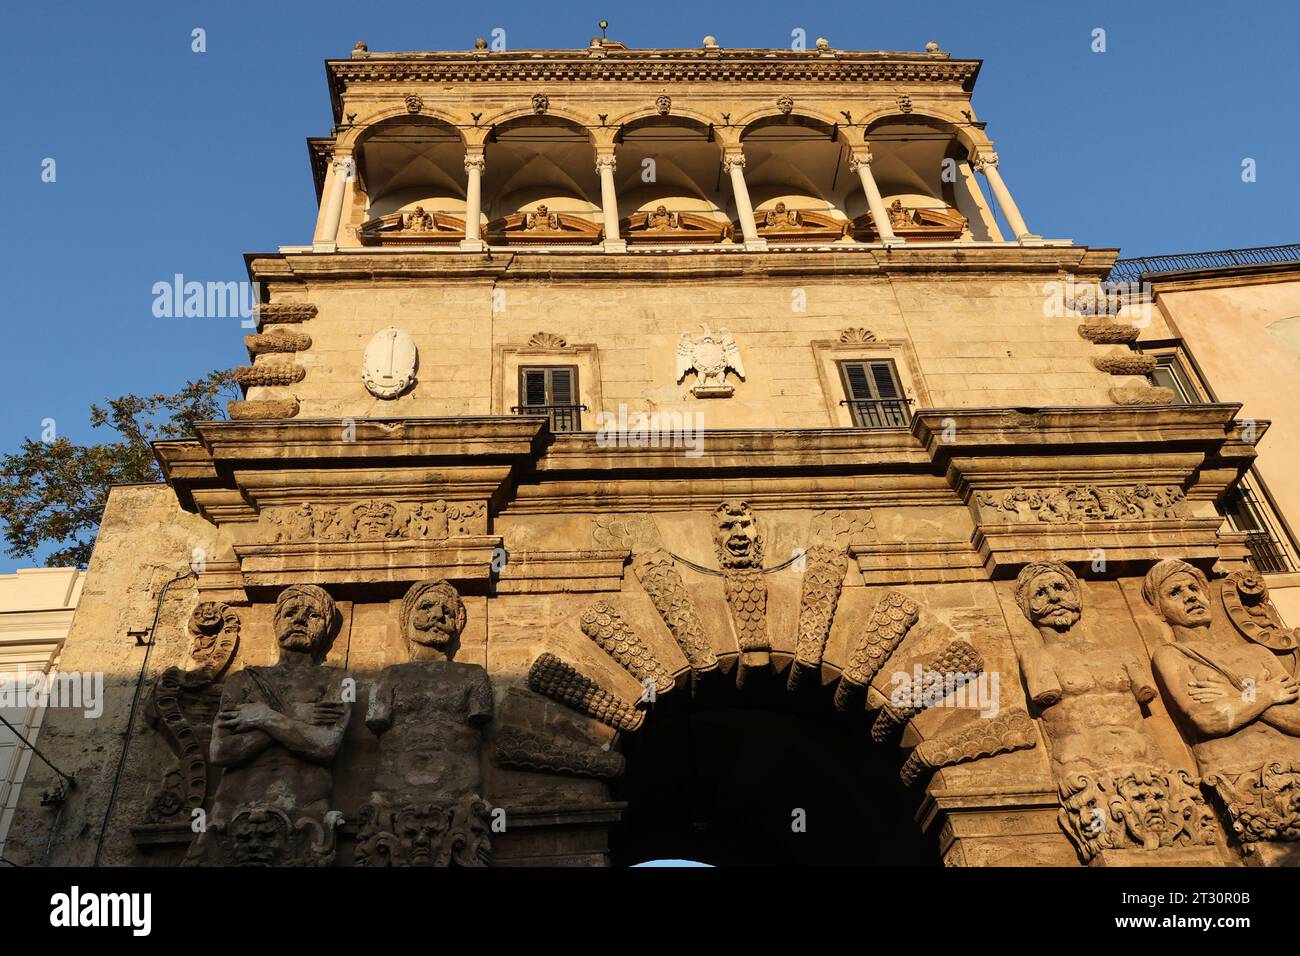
(880, 412)
(563, 418)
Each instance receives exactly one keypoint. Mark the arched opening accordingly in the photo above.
(411, 173)
(925, 180)
(541, 186)
(764, 778)
(670, 186)
(796, 169)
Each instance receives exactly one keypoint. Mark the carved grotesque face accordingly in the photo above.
(374, 522)
(435, 619)
(421, 829)
(300, 622)
(257, 839)
(1183, 601)
(1054, 601)
(1148, 803)
(736, 537)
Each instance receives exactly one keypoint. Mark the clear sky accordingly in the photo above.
(170, 161)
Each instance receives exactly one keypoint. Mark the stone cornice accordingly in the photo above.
(943, 262)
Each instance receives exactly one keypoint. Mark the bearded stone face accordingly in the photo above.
(300, 623)
(1183, 602)
(434, 619)
(421, 830)
(1149, 804)
(1054, 602)
(257, 839)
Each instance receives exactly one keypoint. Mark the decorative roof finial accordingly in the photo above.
(711, 43)
(932, 47)
(480, 43)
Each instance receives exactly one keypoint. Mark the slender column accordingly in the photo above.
(980, 205)
(860, 162)
(987, 163)
(341, 171)
(605, 166)
(735, 165)
(475, 163)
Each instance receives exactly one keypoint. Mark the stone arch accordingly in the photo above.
(355, 137)
(971, 138)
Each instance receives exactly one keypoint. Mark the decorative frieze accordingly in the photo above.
(1138, 807)
(263, 835)
(425, 834)
(1263, 804)
(1087, 503)
(376, 520)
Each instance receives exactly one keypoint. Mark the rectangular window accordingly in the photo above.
(1246, 513)
(1169, 373)
(874, 394)
(551, 390)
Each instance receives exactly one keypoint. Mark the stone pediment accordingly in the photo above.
(780, 224)
(662, 226)
(414, 228)
(932, 225)
(543, 227)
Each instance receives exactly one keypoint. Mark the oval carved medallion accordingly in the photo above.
(388, 366)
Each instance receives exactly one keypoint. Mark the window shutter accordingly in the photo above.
(561, 386)
(535, 386)
(855, 374)
(882, 374)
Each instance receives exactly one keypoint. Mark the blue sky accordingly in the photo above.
(172, 161)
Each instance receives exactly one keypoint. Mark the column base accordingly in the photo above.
(473, 245)
(324, 247)
(614, 245)
(890, 243)
(1029, 239)
(756, 245)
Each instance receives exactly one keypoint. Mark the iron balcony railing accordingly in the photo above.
(879, 412)
(563, 418)
(1132, 270)
(1266, 553)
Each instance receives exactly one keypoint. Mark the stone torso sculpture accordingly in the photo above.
(1117, 790)
(425, 809)
(1237, 699)
(279, 728)
(1090, 695)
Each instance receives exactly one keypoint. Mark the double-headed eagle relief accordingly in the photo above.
(710, 355)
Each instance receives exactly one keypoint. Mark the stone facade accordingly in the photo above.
(880, 555)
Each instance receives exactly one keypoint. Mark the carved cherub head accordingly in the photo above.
(304, 617)
(433, 615)
(736, 536)
(1179, 593)
(1049, 595)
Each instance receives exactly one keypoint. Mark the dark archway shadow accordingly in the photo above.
(719, 779)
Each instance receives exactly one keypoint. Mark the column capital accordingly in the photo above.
(475, 161)
(344, 165)
(605, 161)
(984, 160)
(733, 159)
(859, 158)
